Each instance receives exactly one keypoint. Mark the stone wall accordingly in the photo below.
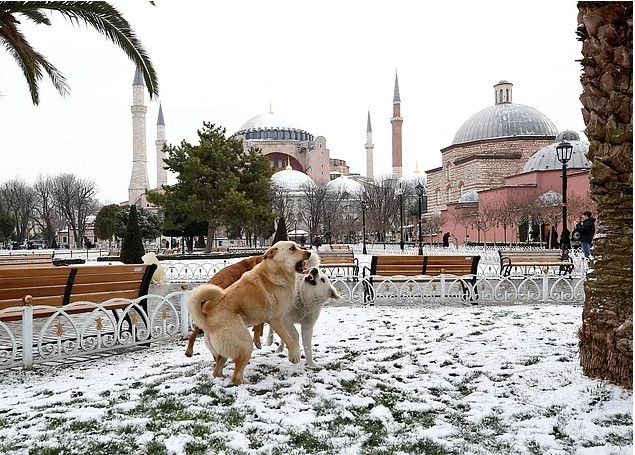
(479, 165)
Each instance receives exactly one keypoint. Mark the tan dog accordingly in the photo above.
(263, 294)
(225, 278)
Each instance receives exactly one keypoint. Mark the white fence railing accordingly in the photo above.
(66, 334)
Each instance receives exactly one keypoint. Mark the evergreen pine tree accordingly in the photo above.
(132, 249)
(281, 231)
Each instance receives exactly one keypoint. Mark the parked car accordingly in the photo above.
(37, 244)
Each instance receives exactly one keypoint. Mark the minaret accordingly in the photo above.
(396, 122)
(139, 178)
(369, 149)
(162, 174)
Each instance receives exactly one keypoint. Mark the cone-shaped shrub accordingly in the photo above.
(281, 231)
(132, 249)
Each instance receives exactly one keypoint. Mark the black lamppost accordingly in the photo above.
(400, 194)
(419, 188)
(564, 150)
(328, 219)
(364, 228)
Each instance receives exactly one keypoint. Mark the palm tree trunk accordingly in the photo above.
(606, 335)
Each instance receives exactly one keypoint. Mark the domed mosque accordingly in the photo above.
(503, 151)
(287, 144)
(493, 143)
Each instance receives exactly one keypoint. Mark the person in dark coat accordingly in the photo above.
(587, 232)
(554, 239)
(446, 239)
(565, 240)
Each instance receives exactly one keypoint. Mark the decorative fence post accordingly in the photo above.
(27, 332)
(185, 315)
(545, 288)
(442, 285)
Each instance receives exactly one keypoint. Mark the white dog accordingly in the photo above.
(313, 290)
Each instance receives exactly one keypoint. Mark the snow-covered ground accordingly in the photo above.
(438, 379)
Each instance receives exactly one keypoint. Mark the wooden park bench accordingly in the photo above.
(424, 269)
(531, 261)
(335, 246)
(59, 287)
(26, 259)
(339, 263)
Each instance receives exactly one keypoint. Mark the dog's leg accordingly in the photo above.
(292, 345)
(307, 343)
(189, 350)
(258, 329)
(243, 348)
(220, 364)
(270, 337)
(292, 331)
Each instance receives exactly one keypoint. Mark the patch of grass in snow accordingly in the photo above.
(484, 434)
(395, 356)
(614, 420)
(308, 442)
(464, 386)
(352, 386)
(598, 393)
(425, 446)
(155, 447)
(620, 440)
(531, 361)
(535, 448)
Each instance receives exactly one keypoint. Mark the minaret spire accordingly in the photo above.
(139, 178)
(396, 122)
(369, 149)
(162, 174)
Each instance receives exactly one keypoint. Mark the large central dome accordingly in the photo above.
(505, 120)
(272, 126)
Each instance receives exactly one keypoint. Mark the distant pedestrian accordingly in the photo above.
(317, 242)
(303, 241)
(466, 240)
(587, 232)
(565, 240)
(446, 239)
(554, 238)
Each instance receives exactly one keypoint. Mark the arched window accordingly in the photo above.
(437, 196)
(447, 171)
(461, 189)
(449, 193)
(507, 96)
(500, 96)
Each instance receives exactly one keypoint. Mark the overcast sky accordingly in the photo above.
(322, 64)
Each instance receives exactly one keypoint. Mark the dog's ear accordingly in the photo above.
(271, 252)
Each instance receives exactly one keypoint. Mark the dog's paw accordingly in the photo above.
(313, 365)
(294, 357)
(258, 344)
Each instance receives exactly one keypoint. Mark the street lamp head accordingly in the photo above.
(419, 187)
(564, 150)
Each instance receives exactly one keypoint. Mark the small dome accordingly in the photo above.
(344, 184)
(470, 196)
(549, 198)
(291, 180)
(546, 158)
(505, 120)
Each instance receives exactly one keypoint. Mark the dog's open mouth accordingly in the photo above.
(299, 267)
(311, 277)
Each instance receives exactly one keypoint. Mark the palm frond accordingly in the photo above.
(101, 16)
(108, 21)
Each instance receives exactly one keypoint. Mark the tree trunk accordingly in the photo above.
(606, 336)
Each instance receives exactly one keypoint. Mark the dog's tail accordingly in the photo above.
(198, 297)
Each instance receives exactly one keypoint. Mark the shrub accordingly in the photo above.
(132, 249)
